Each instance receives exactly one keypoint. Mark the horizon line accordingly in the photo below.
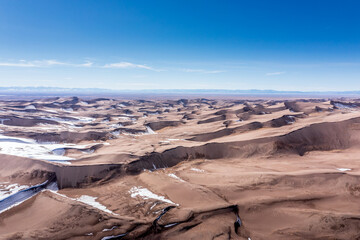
(32, 88)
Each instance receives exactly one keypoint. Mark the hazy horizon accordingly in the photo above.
(47, 88)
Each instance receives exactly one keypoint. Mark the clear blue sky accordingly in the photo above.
(131, 44)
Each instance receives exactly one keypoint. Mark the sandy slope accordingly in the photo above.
(186, 169)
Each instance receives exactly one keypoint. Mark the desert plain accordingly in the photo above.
(192, 168)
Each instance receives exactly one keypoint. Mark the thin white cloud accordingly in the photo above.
(50, 62)
(42, 63)
(274, 73)
(87, 64)
(128, 65)
(202, 71)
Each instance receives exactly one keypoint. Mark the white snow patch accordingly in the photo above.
(85, 119)
(153, 206)
(117, 125)
(149, 130)
(30, 107)
(29, 148)
(169, 140)
(109, 229)
(116, 133)
(197, 170)
(50, 110)
(175, 177)
(147, 194)
(7, 190)
(344, 169)
(89, 200)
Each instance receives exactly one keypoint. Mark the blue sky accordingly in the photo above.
(130, 44)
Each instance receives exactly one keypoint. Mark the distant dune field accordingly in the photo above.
(185, 168)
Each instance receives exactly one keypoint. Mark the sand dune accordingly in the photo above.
(182, 169)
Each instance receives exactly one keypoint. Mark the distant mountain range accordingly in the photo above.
(100, 91)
